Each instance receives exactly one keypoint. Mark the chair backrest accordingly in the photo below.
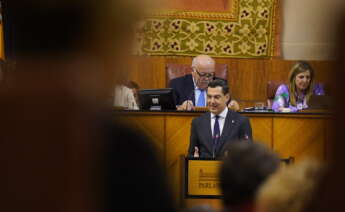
(178, 70)
(271, 90)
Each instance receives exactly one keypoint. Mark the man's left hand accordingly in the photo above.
(233, 105)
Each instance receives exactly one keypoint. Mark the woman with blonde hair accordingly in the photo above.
(295, 96)
(291, 188)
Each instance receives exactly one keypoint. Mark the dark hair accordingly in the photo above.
(128, 175)
(219, 83)
(245, 168)
(131, 84)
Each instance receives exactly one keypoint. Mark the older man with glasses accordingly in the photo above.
(190, 90)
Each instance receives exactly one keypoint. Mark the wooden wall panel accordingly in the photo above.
(299, 138)
(148, 72)
(178, 134)
(177, 142)
(153, 127)
(247, 77)
(246, 80)
(262, 130)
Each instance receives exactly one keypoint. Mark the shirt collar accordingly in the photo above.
(195, 86)
(222, 114)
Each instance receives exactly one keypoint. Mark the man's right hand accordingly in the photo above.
(186, 105)
(196, 152)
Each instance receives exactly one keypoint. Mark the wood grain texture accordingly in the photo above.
(153, 128)
(178, 133)
(262, 130)
(299, 138)
(177, 141)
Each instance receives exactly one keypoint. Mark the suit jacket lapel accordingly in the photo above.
(190, 88)
(227, 130)
(207, 132)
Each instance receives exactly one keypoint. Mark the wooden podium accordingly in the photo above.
(201, 178)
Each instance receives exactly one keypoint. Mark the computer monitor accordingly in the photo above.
(320, 102)
(157, 99)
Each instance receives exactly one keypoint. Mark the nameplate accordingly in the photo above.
(156, 108)
(202, 178)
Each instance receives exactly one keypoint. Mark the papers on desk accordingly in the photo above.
(254, 110)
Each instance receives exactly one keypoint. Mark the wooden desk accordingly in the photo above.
(289, 134)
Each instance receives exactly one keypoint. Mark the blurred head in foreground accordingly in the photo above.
(290, 188)
(329, 196)
(246, 166)
(200, 208)
(81, 40)
(65, 53)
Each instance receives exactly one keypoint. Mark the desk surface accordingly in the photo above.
(308, 113)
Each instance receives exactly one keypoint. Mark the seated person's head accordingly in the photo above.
(217, 96)
(301, 78)
(203, 70)
(290, 188)
(246, 166)
(135, 88)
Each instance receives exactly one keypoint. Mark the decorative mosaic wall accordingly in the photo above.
(248, 29)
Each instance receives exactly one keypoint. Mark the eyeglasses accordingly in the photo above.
(208, 75)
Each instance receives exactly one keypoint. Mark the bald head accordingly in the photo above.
(203, 60)
(203, 70)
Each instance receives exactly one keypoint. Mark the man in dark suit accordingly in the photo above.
(212, 130)
(190, 90)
